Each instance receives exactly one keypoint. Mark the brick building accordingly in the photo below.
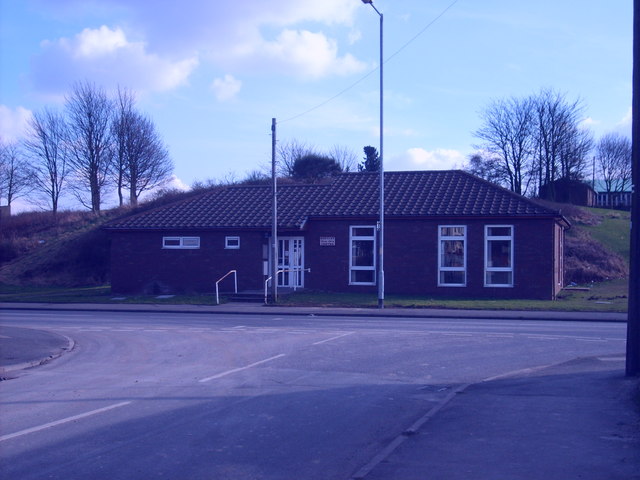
(447, 233)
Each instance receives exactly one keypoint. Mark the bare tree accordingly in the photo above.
(141, 161)
(538, 139)
(346, 158)
(575, 152)
(485, 166)
(613, 159)
(14, 172)
(46, 145)
(289, 152)
(149, 164)
(91, 154)
(121, 130)
(506, 133)
(561, 144)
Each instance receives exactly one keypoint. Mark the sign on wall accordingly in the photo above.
(327, 241)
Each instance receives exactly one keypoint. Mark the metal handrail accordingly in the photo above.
(235, 277)
(266, 282)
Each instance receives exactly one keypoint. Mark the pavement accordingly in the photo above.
(576, 420)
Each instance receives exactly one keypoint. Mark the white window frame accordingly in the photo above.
(232, 242)
(487, 269)
(441, 268)
(183, 243)
(352, 238)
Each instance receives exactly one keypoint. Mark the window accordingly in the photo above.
(232, 242)
(452, 255)
(180, 242)
(498, 256)
(362, 255)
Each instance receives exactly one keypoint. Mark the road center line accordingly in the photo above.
(229, 372)
(333, 338)
(64, 420)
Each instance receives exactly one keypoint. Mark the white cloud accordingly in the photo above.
(308, 54)
(107, 57)
(626, 121)
(421, 159)
(96, 43)
(589, 122)
(13, 123)
(177, 183)
(354, 36)
(280, 36)
(226, 88)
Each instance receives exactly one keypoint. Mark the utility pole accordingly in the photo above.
(274, 220)
(633, 320)
(380, 229)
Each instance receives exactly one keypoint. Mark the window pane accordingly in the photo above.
(363, 232)
(499, 254)
(363, 276)
(232, 242)
(452, 253)
(171, 242)
(452, 231)
(452, 278)
(499, 231)
(499, 278)
(192, 242)
(362, 253)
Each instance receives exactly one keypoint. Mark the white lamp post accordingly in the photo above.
(381, 157)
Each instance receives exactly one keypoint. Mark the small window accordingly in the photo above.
(452, 255)
(232, 243)
(181, 242)
(499, 256)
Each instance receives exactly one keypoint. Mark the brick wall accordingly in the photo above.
(140, 264)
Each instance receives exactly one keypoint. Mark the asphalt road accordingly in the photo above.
(182, 396)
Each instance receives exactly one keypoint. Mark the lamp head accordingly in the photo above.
(367, 1)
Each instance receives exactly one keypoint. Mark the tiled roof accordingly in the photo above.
(424, 193)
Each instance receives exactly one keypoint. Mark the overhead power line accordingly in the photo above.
(367, 75)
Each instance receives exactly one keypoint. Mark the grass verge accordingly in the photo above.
(598, 297)
(608, 296)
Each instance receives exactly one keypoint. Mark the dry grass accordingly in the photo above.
(69, 249)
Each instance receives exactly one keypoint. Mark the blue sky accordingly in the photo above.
(212, 73)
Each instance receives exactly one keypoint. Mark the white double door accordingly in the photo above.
(291, 262)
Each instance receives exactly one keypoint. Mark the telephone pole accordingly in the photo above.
(274, 219)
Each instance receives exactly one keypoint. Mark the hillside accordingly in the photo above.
(597, 244)
(72, 250)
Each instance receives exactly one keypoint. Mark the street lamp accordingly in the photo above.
(381, 157)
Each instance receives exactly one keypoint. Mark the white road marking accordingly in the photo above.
(612, 359)
(60, 422)
(333, 338)
(229, 372)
